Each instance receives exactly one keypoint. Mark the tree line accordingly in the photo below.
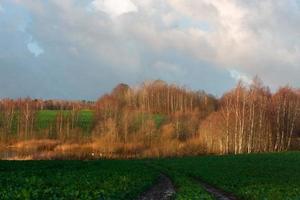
(22, 119)
(160, 119)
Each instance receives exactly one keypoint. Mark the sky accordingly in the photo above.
(81, 49)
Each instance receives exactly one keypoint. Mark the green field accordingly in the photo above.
(74, 179)
(46, 118)
(257, 176)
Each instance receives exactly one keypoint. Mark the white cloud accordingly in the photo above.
(261, 37)
(34, 48)
(1, 8)
(238, 76)
(114, 8)
(164, 38)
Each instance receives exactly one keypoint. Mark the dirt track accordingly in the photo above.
(216, 192)
(163, 190)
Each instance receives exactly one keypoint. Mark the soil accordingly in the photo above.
(163, 190)
(216, 192)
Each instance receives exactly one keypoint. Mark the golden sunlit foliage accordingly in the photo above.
(158, 119)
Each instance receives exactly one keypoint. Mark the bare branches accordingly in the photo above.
(160, 119)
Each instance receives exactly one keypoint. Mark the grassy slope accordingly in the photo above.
(257, 176)
(46, 118)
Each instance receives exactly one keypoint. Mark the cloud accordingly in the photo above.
(168, 71)
(258, 36)
(240, 76)
(35, 48)
(1, 8)
(202, 44)
(114, 8)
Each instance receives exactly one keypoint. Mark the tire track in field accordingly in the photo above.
(163, 190)
(216, 192)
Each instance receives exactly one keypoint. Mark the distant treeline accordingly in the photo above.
(160, 119)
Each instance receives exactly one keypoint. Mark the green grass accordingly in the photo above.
(273, 176)
(46, 119)
(258, 176)
(158, 119)
(74, 179)
(187, 189)
(85, 120)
